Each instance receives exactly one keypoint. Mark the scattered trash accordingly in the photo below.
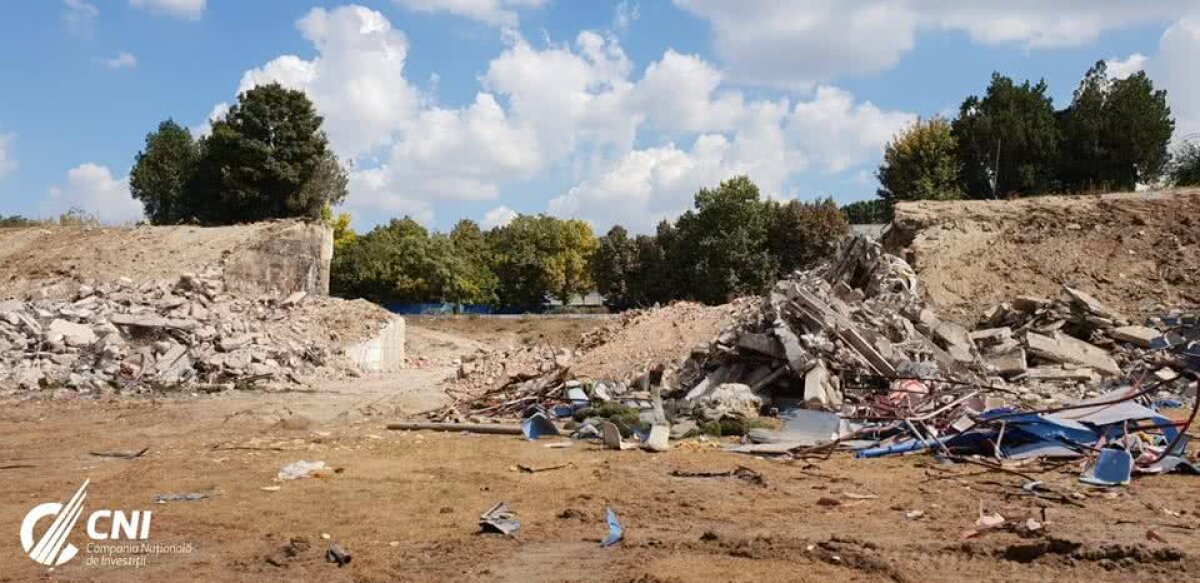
(532, 470)
(335, 554)
(615, 533)
(859, 496)
(270, 488)
(303, 469)
(658, 439)
(914, 514)
(180, 497)
(559, 445)
(1113, 467)
(828, 502)
(612, 437)
(120, 454)
(1152, 535)
(740, 472)
(537, 425)
(499, 519)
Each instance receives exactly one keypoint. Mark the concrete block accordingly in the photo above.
(384, 352)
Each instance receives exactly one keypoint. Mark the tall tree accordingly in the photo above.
(1008, 140)
(162, 173)
(471, 247)
(536, 257)
(920, 163)
(1185, 165)
(1115, 133)
(723, 243)
(801, 234)
(615, 268)
(868, 212)
(267, 158)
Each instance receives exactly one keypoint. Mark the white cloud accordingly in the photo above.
(123, 60)
(804, 42)
(500, 216)
(572, 109)
(92, 188)
(1174, 69)
(80, 17)
(188, 9)
(625, 14)
(7, 164)
(837, 133)
(1122, 68)
(356, 80)
(204, 128)
(494, 12)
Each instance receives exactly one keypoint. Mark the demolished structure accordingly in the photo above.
(848, 355)
(121, 337)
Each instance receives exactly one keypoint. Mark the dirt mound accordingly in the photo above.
(642, 338)
(272, 257)
(1132, 251)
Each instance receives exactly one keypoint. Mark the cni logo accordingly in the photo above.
(53, 548)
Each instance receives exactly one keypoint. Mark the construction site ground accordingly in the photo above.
(406, 504)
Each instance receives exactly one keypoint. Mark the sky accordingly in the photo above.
(612, 112)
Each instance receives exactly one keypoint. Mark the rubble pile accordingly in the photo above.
(848, 355)
(121, 337)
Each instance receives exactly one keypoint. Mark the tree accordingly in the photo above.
(471, 248)
(1185, 165)
(801, 234)
(921, 163)
(1012, 129)
(162, 173)
(615, 268)
(1115, 133)
(722, 246)
(539, 256)
(267, 158)
(868, 212)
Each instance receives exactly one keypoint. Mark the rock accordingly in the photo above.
(821, 390)
(1139, 336)
(1007, 363)
(151, 321)
(72, 334)
(295, 299)
(991, 337)
(729, 400)
(1060, 348)
(761, 343)
(1090, 304)
(681, 428)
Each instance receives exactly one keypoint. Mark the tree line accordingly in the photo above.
(732, 242)
(1114, 135)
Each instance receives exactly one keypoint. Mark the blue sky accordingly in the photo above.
(607, 111)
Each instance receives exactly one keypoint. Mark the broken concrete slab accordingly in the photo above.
(1139, 336)
(152, 321)
(761, 343)
(820, 389)
(1060, 348)
(73, 334)
(1009, 363)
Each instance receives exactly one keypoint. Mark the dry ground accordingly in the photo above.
(1133, 251)
(406, 504)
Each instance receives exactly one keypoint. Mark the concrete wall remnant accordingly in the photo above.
(382, 353)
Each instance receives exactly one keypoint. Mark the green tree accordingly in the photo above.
(1115, 133)
(615, 268)
(868, 212)
(1012, 128)
(162, 173)
(471, 248)
(722, 244)
(801, 234)
(1185, 165)
(921, 163)
(538, 256)
(267, 158)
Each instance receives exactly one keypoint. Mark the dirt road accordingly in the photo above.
(406, 505)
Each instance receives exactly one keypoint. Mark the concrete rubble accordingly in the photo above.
(853, 341)
(191, 333)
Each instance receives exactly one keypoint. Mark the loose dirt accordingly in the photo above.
(406, 505)
(1133, 251)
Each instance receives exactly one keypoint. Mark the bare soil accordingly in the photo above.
(504, 333)
(1134, 251)
(406, 505)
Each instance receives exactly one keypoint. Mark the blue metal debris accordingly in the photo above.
(615, 532)
(1114, 467)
